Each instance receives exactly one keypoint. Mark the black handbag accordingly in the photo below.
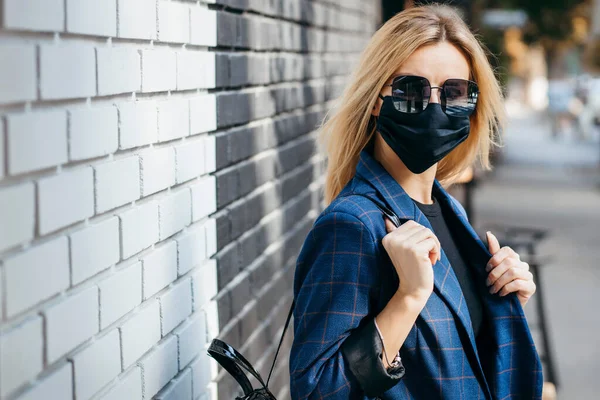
(235, 363)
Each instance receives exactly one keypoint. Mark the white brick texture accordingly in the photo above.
(204, 284)
(43, 270)
(36, 141)
(67, 71)
(174, 213)
(191, 250)
(157, 170)
(50, 15)
(140, 333)
(189, 160)
(119, 70)
(173, 22)
(58, 385)
(159, 366)
(137, 19)
(17, 213)
(175, 305)
(203, 24)
(179, 388)
(159, 268)
(139, 229)
(204, 199)
(97, 365)
(120, 294)
(201, 376)
(159, 70)
(65, 199)
(117, 183)
(138, 124)
(129, 387)
(203, 114)
(93, 249)
(22, 356)
(71, 322)
(93, 132)
(17, 77)
(92, 17)
(195, 69)
(173, 120)
(191, 337)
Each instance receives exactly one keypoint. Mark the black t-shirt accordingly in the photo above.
(465, 275)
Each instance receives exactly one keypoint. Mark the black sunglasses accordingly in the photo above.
(410, 94)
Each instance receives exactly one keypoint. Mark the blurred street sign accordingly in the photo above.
(504, 18)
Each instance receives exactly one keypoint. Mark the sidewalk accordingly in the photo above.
(554, 185)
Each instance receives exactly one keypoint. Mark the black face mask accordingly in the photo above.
(422, 139)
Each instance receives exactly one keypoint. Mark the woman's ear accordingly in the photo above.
(376, 107)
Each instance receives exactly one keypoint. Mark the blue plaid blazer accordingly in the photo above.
(344, 278)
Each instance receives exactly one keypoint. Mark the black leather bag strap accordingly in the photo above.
(232, 360)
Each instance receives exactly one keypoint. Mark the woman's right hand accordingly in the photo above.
(413, 249)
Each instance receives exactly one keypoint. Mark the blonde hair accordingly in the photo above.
(350, 127)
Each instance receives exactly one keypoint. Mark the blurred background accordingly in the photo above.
(158, 175)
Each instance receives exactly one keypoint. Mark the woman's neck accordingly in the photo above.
(417, 186)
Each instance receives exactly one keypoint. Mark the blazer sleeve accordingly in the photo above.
(336, 350)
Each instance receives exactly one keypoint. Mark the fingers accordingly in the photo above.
(525, 287)
(389, 225)
(429, 247)
(513, 273)
(500, 255)
(422, 235)
(493, 243)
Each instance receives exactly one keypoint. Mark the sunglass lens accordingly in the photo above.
(460, 97)
(410, 94)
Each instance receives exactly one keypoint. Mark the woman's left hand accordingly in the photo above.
(507, 273)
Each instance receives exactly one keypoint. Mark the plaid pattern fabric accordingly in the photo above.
(344, 277)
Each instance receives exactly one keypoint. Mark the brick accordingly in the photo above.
(119, 70)
(175, 306)
(203, 23)
(117, 183)
(191, 250)
(157, 170)
(138, 124)
(159, 366)
(43, 270)
(70, 323)
(204, 284)
(137, 19)
(2, 158)
(67, 71)
(159, 268)
(129, 387)
(140, 333)
(159, 70)
(203, 114)
(201, 375)
(17, 77)
(22, 352)
(36, 141)
(179, 388)
(173, 22)
(97, 365)
(204, 198)
(210, 157)
(173, 120)
(139, 229)
(191, 339)
(49, 15)
(93, 132)
(174, 213)
(17, 213)
(189, 160)
(94, 249)
(58, 385)
(92, 17)
(195, 69)
(120, 293)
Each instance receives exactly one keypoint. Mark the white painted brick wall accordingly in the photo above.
(71, 322)
(50, 16)
(93, 132)
(157, 170)
(65, 199)
(129, 387)
(17, 213)
(175, 305)
(93, 249)
(138, 124)
(18, 77)
(67, 71)
(120, 293)
(119, 70)
(159, 268)
(140, 333)
(44, 270)
(92, 17)
(98, 261)
(159, 366)
(204, 198)
(96, 365)
(57, 385)
(201, 376)
(35, 141)
(139, 229)
(22, 357)
(117, 183)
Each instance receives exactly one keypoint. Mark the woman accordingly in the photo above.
(424, 310)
